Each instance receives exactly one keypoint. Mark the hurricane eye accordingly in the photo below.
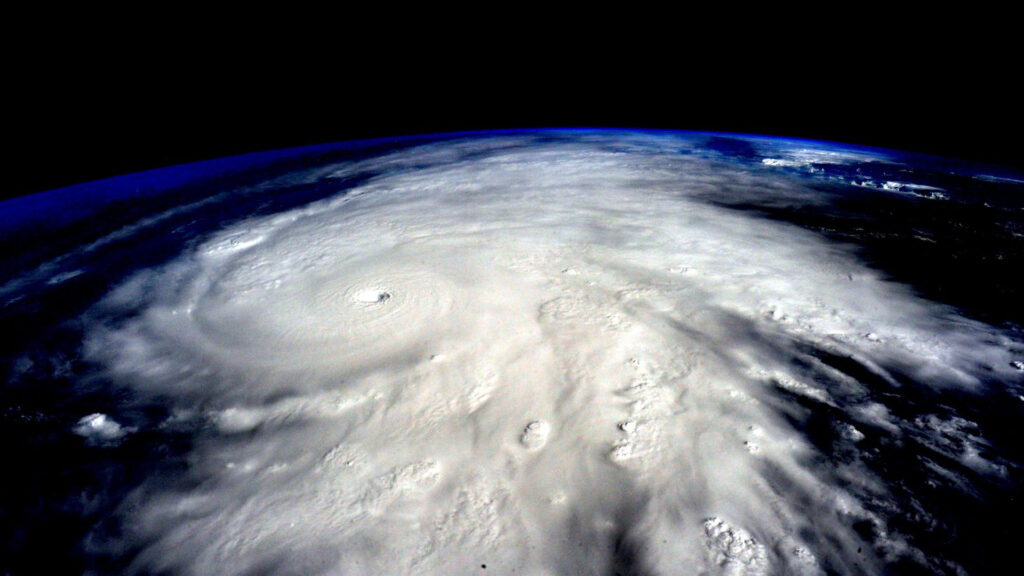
(371, 296)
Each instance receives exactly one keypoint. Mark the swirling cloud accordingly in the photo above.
(542, 358)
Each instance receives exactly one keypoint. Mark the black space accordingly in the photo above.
(86, 103)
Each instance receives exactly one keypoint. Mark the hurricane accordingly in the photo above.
(574, 354)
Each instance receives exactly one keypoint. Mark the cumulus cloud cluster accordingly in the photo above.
(538, 358)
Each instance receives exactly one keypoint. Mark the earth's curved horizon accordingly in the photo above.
(552, 351)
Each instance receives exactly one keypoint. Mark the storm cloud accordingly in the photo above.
(540, 357)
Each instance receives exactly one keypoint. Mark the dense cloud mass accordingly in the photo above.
(554, 358)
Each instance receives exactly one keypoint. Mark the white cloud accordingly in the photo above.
(495, 408)
(100, 429)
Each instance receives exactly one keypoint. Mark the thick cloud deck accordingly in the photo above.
(546, 359)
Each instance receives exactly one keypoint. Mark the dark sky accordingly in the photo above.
(92, 110)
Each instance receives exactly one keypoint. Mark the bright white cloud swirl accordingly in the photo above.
(546, 359)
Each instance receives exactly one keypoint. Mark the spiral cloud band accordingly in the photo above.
(560, 358)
